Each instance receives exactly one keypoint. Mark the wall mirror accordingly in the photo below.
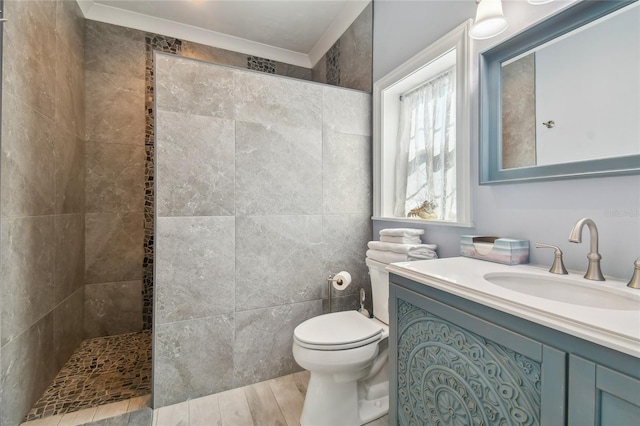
(561, 99)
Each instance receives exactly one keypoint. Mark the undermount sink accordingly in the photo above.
(564, 290)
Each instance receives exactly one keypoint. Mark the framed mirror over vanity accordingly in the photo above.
(562, 98)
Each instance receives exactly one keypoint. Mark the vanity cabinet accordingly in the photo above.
(457, 362)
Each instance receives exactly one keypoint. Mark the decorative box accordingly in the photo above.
(495, 249)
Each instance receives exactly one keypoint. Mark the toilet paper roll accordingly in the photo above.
(341, 280)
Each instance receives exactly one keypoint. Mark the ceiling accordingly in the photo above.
(297, 32)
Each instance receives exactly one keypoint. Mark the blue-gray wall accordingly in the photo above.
(543, 211)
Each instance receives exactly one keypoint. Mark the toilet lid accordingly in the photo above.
(339, 329)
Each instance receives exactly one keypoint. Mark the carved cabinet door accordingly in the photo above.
(453, 368)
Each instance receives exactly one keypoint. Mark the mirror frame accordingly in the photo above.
(491, 60)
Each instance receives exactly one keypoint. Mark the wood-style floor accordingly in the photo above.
(275, 402)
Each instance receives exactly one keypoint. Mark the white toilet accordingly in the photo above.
(347, 355)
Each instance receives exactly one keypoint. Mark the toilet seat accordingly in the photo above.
(337, 331)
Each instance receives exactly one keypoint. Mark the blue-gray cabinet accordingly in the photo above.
(456, 362)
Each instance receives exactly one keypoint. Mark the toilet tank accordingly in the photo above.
(379, 289)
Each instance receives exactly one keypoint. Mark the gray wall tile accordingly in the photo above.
(278, 260)
(114, 108)
(29, 53)
(114, 247)
(277, 101)
(27, 268)
(192, 359)
(195, 267)
(69, 88)
(25, 372)
(69, 154)
(278, 170)
(263, 340)
(356, 53)
(112, 308)
(27, 170)
(69, 255)
(115, 178)
(213, 54)
(344, 246)
(70, 26)
(347, 111)
(68, 330)
(194, 173)
(114, 50)
(347, 186)
(193, 87)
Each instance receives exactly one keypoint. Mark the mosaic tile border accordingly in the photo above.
(100, 371)
(153, 42)
(333, 64)
(261, 64)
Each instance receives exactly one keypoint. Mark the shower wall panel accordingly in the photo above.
(42, 198)
(263, 187)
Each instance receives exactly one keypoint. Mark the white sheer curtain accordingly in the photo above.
(426, 149)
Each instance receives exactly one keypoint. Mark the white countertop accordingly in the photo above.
(464, 277)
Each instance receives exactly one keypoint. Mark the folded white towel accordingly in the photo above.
(400, 240)
(391, 257)
(401, 232)
(387, 256)
(400, 248)
(422, 255)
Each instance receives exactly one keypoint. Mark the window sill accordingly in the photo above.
(424, 222)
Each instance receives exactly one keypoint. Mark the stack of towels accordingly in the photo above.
(400, 245)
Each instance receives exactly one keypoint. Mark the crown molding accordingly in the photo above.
(112, 15)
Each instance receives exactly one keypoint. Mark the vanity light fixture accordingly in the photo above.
(490, 20)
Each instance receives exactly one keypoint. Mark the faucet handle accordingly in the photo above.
(634, 282)
(558, 265)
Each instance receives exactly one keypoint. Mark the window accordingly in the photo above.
(421, 136)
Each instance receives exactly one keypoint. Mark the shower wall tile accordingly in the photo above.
(193, 87)
(69, 255)
(213, 54)
(272, 158)
(195, 173)
(113, 247)
(27, 174)
(319, 70)
(70, 26)
(263, 340)
(195, 267)
(69, 101)
(25, 372)
(115, 178)
(348, 158)
(356, 53)
(115, 111)
(278, 260)
(29, 53)
(340, 252)
(293, 71)
(68, 330)
(69, 154)
(192, 359)
(287, 102)
(114, 50)
(27, 292)
(112, 308)
(347, 111)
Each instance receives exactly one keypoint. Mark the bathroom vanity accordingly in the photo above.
(475, 342)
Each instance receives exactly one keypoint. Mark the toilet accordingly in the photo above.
(347, 356)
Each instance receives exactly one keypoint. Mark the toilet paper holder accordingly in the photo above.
(332, 278)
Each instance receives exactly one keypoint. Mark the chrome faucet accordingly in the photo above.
(593, 270)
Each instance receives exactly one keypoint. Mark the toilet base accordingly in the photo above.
(351, 403)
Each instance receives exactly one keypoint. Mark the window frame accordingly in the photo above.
(386, 104)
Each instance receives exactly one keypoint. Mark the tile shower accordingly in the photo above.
(91, 208)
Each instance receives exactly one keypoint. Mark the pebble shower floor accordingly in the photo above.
(100, 371)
